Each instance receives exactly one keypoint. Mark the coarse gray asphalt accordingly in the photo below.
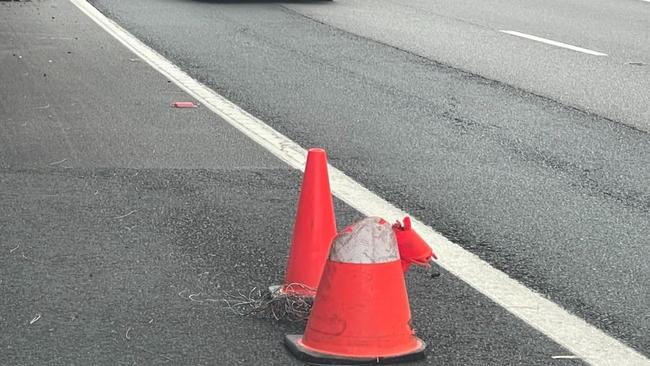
(122, 219)
(554, 196)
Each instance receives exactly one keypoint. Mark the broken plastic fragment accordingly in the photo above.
(184, 105)
(412, 248)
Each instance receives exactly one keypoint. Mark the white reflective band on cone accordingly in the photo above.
(370, 240)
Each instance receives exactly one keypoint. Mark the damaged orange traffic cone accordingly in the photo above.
(361, 312)
(314, 228)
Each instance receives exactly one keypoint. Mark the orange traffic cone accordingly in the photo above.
(361, 312)
(314, 228)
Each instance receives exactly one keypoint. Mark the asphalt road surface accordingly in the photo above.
(467, 35)
(116, 207)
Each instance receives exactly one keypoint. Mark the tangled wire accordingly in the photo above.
(279, 304)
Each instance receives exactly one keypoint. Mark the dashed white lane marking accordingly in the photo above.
(554, 43)
(583, 340)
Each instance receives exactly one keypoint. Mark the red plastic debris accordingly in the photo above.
(412, 248)
(184, 105)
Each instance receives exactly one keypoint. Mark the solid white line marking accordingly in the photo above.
(586, 341)
(554, 43)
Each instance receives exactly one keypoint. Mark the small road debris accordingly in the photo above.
(128, 214)
(58, 162)
(184, 105)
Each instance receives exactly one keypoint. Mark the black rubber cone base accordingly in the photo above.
(294, 345)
